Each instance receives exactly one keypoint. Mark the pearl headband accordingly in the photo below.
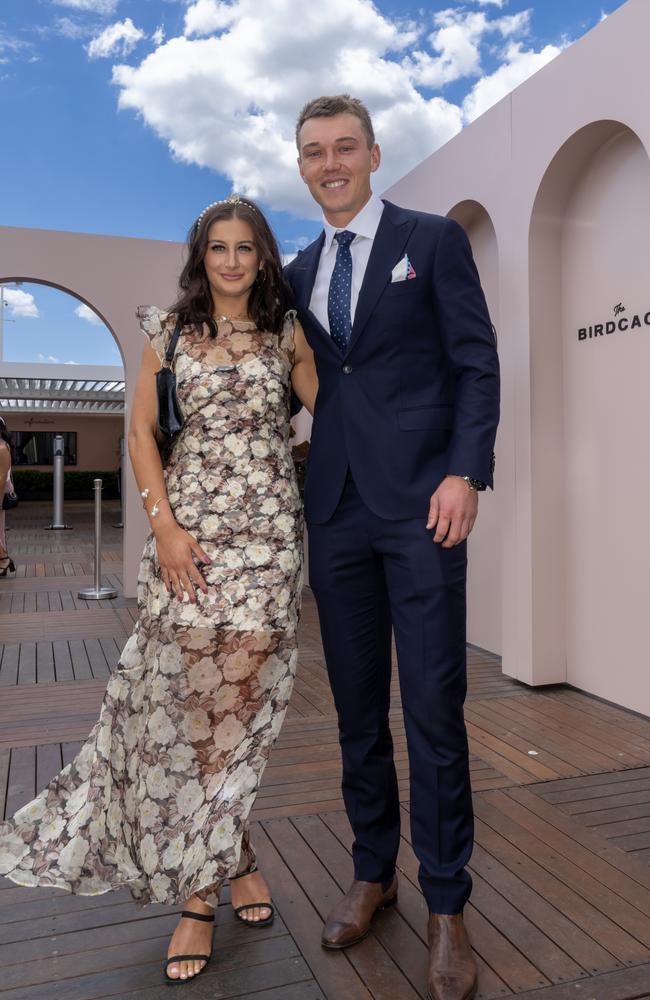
(232, 199)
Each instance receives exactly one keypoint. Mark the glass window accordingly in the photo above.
(37, 447)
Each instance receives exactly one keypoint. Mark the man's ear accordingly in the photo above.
(375, 158)
(299, 162)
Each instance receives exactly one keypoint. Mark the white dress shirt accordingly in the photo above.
(365, 225)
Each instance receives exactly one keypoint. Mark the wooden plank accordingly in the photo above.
(9, 667)
(44, 663)
(629, 984)
(585, 752)
(629, 872)
(5, 756)
(333, 971)
(617, 923)
(80, 663)
(27, 663)
(22, 779)
(48, 764)
(96, 658)
(62, 661)
(574, 951)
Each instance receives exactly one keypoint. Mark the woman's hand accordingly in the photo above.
(177, 568)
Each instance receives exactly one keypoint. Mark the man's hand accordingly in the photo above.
(452, 511)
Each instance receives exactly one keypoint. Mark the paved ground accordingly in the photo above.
(561, 901)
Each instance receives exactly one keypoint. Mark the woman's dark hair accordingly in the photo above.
(6, 436)
(270, 296)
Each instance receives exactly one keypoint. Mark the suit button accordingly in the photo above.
(347, 369)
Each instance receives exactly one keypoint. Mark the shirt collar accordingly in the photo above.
(365, 223)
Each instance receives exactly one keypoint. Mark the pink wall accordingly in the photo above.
(561, 169)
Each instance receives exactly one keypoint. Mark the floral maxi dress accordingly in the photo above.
(159, 796)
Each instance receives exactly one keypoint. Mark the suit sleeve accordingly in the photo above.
(468, 337)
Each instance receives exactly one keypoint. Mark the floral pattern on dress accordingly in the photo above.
(159, 796)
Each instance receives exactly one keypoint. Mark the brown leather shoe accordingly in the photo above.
(452, 969)
(350, 919)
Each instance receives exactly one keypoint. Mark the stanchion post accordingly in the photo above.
(57, 485)
(97, 593)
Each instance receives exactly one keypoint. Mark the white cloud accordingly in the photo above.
(226, 94)
(22, 304)
(118, 39)
(85, 312)
(519, 65)
(496, 3)
(206, 16)
(94, 6)
(230, 102)
(50, 359)
(69, 28)
(158, 36)
(10, 46)
(456, 44)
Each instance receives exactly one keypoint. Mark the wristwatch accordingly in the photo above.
(474, 484)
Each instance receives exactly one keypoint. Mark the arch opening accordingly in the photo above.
(588, 271)
(484, 611)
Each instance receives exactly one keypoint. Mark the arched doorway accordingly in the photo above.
(485, 544)
(113, 275)
(590, 353)
(61, 372)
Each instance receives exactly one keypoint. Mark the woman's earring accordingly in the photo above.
(261, 274)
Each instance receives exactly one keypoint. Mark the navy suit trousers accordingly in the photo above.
(368, 573)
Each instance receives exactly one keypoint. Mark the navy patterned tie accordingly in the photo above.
(338, 299)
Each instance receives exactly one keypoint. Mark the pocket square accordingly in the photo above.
(403, 271)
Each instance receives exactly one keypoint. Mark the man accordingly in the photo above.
(404, 428)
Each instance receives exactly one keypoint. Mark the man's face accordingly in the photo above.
(335, 163)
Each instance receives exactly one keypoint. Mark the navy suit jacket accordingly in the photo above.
(416, 394)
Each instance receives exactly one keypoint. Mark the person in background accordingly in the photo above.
(6, 562)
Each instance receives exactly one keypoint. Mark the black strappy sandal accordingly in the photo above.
(188, 958)
(253, 906)
(9, 568)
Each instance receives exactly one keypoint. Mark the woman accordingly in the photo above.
(159, 797)
(6, 562)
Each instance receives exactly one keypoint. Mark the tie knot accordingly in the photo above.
(344, 238)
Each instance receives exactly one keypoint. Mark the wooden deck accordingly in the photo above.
(561, 901)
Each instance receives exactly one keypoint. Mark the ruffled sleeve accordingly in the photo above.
(157, 326)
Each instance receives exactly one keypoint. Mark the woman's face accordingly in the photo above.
(231, 259)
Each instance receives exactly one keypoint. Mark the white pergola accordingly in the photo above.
(47, 388)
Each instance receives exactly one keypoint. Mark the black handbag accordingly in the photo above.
(9, 501)
(170, 416)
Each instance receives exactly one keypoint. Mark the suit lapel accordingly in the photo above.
(387, 248)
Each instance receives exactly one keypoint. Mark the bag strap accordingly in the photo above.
(169, 353)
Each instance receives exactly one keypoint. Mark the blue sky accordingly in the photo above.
(129, 116)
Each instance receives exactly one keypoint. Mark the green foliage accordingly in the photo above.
(36, 484)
